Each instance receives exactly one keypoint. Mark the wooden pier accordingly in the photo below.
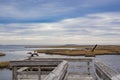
(62, 68)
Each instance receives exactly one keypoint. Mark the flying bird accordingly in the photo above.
(32, 54)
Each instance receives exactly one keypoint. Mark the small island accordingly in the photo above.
(4, 64)
(2, 54)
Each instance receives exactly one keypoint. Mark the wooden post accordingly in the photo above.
(14, 73)
(31, 68)
(39, 73)
(88, 64)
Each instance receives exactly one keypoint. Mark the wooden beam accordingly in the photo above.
(105, 72)
(39, 73)
(88, 59)
(59, 72)
(28, 63)
(15, 73)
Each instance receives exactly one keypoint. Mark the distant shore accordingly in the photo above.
(5, 64)
(2, 54)
(81, 50)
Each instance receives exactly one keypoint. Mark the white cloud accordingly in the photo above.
(102, 28)
(31, 10)
(42, 9)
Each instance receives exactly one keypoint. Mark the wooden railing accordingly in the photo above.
(59, 68)
(59, 72)
(20, 66)
(67, 58)
(103, 72)
(88, 60)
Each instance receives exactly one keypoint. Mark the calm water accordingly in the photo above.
(18, 52)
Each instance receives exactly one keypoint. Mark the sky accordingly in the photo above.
(57, 22)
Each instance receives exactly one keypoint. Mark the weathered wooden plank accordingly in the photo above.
(33, 72)
(28, 72)
(59, 72)
(117, 77)
(64, 58)
(33, 63)
(105, 72)
(22, 69)
(30, 77)
(39, 73)
(14, 73)
(79, 77)
(47, 67)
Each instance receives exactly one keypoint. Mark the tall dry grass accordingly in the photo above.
(5, 64)
(100, 50)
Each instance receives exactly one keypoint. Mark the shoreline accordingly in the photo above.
(5, 64)
(2, 54)
(82, 50)
(81, 54)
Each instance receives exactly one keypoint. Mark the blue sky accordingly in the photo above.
(59, 22)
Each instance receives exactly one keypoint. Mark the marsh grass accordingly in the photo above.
(5, 64)
(2, 54)
(100, 50)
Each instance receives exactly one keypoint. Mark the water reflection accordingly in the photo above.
(5, 74)
(112, 60)
(14, 55)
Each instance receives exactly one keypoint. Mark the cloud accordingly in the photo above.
(98, 28)
(31, 9)
(41, 9)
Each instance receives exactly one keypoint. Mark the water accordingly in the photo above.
(5, 74)
(19, 52)
(112, 60)
(12, 52)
